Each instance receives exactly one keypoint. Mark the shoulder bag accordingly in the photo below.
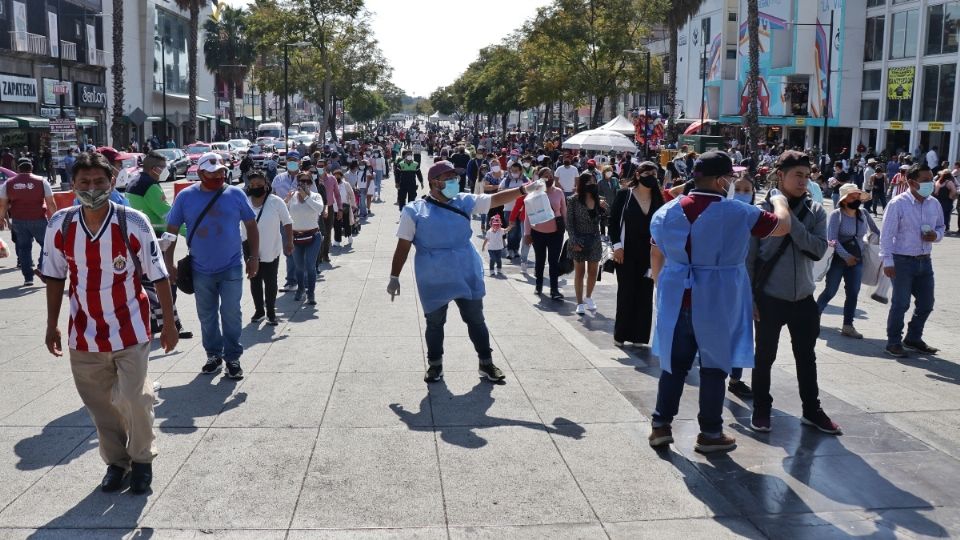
(185, 265)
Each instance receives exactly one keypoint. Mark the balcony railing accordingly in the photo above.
(68, 50)
(100, 58)
(28, 43)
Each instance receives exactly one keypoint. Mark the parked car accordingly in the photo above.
(177, 161)
(129, 170)
(197, 149)
(240, 147)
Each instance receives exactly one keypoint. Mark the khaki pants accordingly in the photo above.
(115, 389)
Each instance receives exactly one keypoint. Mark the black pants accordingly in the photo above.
(634, 303)
(546, 249)
(327, 228)
(263, 287)
(406, 193)
(341, 227)
(802, 319)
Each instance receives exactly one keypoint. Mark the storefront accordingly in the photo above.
(19, 127)
(91, 103)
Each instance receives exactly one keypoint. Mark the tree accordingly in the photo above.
(423, 106)
(193, 6)
(391, 94)
(227, 50)
(366, 105)
(117, 127)
(753, 79)
(444, 100)
(676, 17)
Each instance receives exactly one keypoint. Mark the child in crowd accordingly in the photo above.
(494, 242)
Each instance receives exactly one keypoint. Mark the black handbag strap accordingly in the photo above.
(203, 214)
(262, 206)
(446, 206)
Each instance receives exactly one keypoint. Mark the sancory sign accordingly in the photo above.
(89, 95)
(18, 89)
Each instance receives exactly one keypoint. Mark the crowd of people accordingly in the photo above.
(692, 230)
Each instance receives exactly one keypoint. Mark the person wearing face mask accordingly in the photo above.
(447, 266)
(546, 238)
(912, 223)
(406, 175)
(272, 217)
(630, 233)
(703, 296)
(282, 185)
(379, 169)
(846, 227)
(22, 198)
(592, 169)
(512, 180)
(306, 210)
(528, 170)
(608, 186)
(109, 339)
(783, 282)
(585, 211)
(213, 213)
(566, 176)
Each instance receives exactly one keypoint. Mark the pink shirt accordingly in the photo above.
(330, 186)
(559, 204)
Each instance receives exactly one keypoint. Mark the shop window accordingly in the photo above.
(871, 80)
(943, 25)
(903, 34)
(938, 86)
(873, 43)
(869, 109)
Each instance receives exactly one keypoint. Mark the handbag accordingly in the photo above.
(565, 264)
(302, 238)
(872, 264)
(185, 265)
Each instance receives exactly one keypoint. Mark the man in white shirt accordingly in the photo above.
(933, 160)
(566, 175)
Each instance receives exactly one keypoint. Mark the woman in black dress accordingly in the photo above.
(630, 234)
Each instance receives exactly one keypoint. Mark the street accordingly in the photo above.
(333, 433)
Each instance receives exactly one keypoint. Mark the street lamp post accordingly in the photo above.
(163, 78)
(286, 87)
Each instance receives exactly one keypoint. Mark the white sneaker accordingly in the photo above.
(523, 266)
(591, 305)
(581, 309)
(492, 273)
(349, 240)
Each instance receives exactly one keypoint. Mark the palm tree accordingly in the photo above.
(678, 15)
(227, 50)
(117, 127)
(194, 7)
(753, 78)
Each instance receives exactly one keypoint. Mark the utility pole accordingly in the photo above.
(163, 72)
(824, 140)
(705, 28)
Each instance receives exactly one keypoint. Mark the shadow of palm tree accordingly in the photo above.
(460, 416)
(61, 441)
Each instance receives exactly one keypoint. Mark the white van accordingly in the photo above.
(311, 128)
(270, 129)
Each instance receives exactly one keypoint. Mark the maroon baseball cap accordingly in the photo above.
(112, 154)
(442, 167)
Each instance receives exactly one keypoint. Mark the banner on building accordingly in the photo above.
(18, 89)
(900, 82)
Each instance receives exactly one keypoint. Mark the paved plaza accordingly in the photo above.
(333, 433)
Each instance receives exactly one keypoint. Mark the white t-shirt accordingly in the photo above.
(407, 228)
(509, 182)
(495, 239)
(566, 177)
(304, 214)
(352, 176)
(932, 159)
(275, 215)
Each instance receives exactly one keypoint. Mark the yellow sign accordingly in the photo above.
(900, 83)
(896, 125)
(801, 121)
(935, 126)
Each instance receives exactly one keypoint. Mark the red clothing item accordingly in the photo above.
(25, 194)
(503, 163)
(697, 203)
(559, 204)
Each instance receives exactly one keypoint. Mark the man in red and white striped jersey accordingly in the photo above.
(109, 331)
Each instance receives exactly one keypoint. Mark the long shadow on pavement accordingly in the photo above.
(119, 513)
(181, 406)
(57, 442)
(472, 407)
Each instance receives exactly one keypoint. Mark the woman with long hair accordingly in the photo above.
(585, 211)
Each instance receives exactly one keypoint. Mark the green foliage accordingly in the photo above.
(366, 105)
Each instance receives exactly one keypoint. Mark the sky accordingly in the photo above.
(431, 42)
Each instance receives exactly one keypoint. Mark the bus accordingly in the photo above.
(270, 129)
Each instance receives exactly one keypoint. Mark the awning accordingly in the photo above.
(181, 96)
(205, 117)
(225, 121)
(8, 123)
(696, 125)
(154, 119)
(84, 121)
(31, 121)
(256, 118)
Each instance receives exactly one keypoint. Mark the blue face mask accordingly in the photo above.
(451, 188)
(925, 189)
(293, 166)
(743, 197)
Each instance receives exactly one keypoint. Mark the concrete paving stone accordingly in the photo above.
(826, 525)
(939, 429)
(715, 528)
(513, 325)
(69, 495)
(309, 325)
(540, 352)
(34, 452)
(15, 354)
(161, 362)
(464, 399)
(57, 407)
(193, 400)
(531, 485)
(576, 396)
(366, 354)
(387, 326)
(289, 354)
(20, 388)
(379, 477)
(567, 531)
(407, 533)
(379, 400)
(279, 400)
(632, 379)
(625, 480)
(225, 485)
(459, 354)
(940, 522)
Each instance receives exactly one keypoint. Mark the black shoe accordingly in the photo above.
(897, 351)
(538, 291)
(212, 365)
(433, 374)
(185, 334)
(257, 317)
(272, 320)
(233, 369)
(113, 480)
(740, 389)
(311, 301)
(920, 346)
(556, 295)
(491, 372)
(141, 475)
(878, 298)
(28, 283)
(288, 287)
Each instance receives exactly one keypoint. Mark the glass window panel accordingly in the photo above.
(903, 34)
(928, 104)
(875, 3)
(934, 29)
(873, 43)
(948, 82)
(951, 27)
(869, 109)
(871, 80)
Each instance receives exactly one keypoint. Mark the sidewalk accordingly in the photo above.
(333, 434)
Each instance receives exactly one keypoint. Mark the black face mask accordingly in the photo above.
(855, 205)
(591, 189)
(649, 182)
(257, 192)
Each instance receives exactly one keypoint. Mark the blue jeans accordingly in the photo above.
(291, 275)
(471, 311)
(26, 231)
(305, 261)
(377, 181)
(218, 302)
(671, 384)
(851, 285)
(914, 278)
(515, 235)
(496, 258)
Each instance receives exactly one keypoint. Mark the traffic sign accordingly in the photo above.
(61, 89)
(63, 126)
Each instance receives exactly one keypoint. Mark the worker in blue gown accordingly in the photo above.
(447, 266)
(703, 294)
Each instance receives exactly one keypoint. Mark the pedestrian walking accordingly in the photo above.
(282, 185)
(108, 338)
(272, 218)
(513, 180)
(493, 242)
(912, 223)
(406, 175)
(945, 191)
(702, 239)
(547, 237)
(306, 210)
(22, 200)
(585, 211)
(213, 213)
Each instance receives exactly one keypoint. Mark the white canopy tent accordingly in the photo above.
(437, 117)
(600, 140)
(620, 125)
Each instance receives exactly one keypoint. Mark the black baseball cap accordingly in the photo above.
(792, 158)
(712, 164)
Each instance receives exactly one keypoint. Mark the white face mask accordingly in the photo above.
(164, 174)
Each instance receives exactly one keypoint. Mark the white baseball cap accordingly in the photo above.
(211, 162)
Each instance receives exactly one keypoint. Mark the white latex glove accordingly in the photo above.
(393, 288)
(774, 193)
